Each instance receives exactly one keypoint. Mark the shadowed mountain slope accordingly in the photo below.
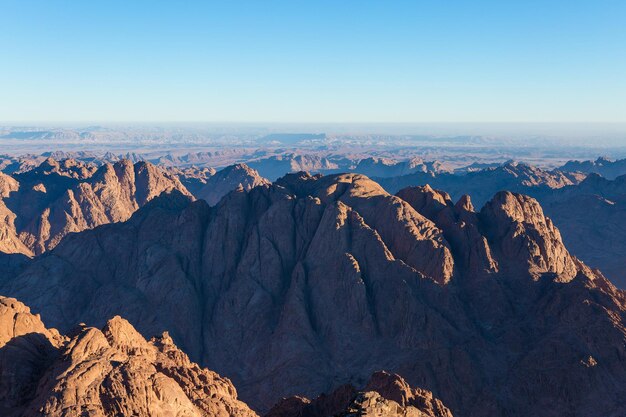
(313, 282)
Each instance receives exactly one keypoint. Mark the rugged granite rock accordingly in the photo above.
(108, 372)
(313, 282)
(384, 395)
(228, 179)
(41, 206)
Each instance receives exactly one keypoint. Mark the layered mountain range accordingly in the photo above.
(41, 206)
(313, 282)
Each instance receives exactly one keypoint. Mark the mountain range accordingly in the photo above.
(312, 282)
(316, 295)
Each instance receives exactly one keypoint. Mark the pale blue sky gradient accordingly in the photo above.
(313, 61)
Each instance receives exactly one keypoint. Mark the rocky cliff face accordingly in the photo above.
(313, 282)
(42, 206)
(108, 372)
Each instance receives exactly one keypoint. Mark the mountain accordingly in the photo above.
(591, 218)
(193, 178)
(41, 206)
(484, 183)
(588, 210)
(228, 179)
(384, 167)
(301, 286)
(9, 241)
(111, 371)
(276, 166)
(602, 166)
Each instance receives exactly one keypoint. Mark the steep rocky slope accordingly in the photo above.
(109, 372)
(298, 287)
(41, 206)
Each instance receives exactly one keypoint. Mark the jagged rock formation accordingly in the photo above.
(42, 206)
(384, 395)
(228, 179)
(108, 372)
(312, 282)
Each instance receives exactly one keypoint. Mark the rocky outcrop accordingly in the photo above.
(314, 282)
(228, 179)
(108, 372)
(384, 394)
(520, 232)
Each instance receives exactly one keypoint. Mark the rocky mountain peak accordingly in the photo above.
(517, 227)
(465, 204)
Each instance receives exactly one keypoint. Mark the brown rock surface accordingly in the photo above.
(301, 286)
(40, 207)
(108, 372)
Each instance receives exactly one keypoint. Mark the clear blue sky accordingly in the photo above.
(313, 61)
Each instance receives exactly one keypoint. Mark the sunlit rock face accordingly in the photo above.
(109, 372)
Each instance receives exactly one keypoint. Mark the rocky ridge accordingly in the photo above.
(42, 206)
